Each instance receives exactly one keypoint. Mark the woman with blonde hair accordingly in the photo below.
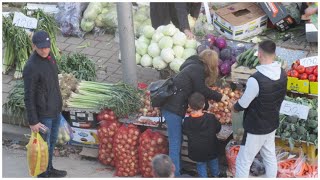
(197, 73)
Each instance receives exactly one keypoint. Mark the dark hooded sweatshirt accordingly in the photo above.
(190, 79)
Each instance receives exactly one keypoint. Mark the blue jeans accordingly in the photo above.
(51, 137)
(174, 128)
(213, 165)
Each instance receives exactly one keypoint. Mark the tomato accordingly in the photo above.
(301, 69)
(289, 73)
(315, 71)
(303, 76)
(309, 70)
(312, 78)
(294, 73)
(294, 66)
(298, 61)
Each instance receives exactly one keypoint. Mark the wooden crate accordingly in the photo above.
(241, 72)
(309, 149)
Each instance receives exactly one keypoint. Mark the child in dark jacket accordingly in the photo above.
(201, 129)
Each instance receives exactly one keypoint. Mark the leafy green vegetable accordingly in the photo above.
(79, 65)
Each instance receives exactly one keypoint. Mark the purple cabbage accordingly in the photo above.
(220, 63)
(211, 39)
(201, 48)
(217, 50)
(221, 43)
(225, 54)
(225, 68)
(233, 59)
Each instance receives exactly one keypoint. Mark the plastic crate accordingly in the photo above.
(308, 149)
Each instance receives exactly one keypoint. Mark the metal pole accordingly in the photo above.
(127, 45)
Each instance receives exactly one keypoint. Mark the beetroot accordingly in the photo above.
(221, 43)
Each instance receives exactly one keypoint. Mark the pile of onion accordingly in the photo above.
(147, 109)
(151, 144)
(107, 115)
(222, 110)
(125, 144)
(106, 133)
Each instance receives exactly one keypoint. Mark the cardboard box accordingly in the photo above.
(278, 15)
(294, 84)
(83, 119)
(240, 20)
(313, 87)
(85, 137)
(311, 33)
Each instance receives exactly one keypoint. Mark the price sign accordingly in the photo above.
(309, 61)
(21, 20)
(291, 109)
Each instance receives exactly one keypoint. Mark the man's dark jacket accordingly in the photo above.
(202, 140)
(163, 12)
(190, 79)
(41, 86)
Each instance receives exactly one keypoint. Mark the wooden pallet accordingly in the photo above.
(241, 73)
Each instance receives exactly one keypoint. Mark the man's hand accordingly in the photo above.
(189, 34)
(36, 128)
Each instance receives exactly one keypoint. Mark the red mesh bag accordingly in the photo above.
(126, 151)
(106, 133)
(150, 144)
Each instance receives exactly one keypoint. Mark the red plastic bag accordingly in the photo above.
(125, 150)
(106, 133)
(150, 144)
(232, 150)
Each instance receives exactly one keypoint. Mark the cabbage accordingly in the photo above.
(99, 20)
(144, 40)
(111, 19)
(175, 64)
(165, 42)
(154, 50)
(169, 30)
(146, 61)
(86, 25)
(160, 28)
(221, 43)
(148, 31)
(157, 36)
(178, 51)
(191, 43)
(104, 10)
(159, 63)
(92, 11)
(179, 38)
(167, 55)
(104, 4)
(141, 48)
(188, 52)
(138, 58)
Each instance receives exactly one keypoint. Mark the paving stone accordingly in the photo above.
(90, 51)
(4, 97)
(7, 88)
(73, 48)
(105, 37)
(114, 58)
(104, 45)
(89, 36)
(90, 42)
(74, 40)
(61, 38)
(105, 53)
(94, 58)
(62, 46)
(115, 47)
(6, 79)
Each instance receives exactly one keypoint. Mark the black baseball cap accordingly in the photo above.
(41, 39)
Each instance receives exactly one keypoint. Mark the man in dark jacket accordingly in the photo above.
(164, 12)
(201, 129)
(261, 102)
(43, 99)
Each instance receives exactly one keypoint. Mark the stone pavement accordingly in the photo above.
(103, 50)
